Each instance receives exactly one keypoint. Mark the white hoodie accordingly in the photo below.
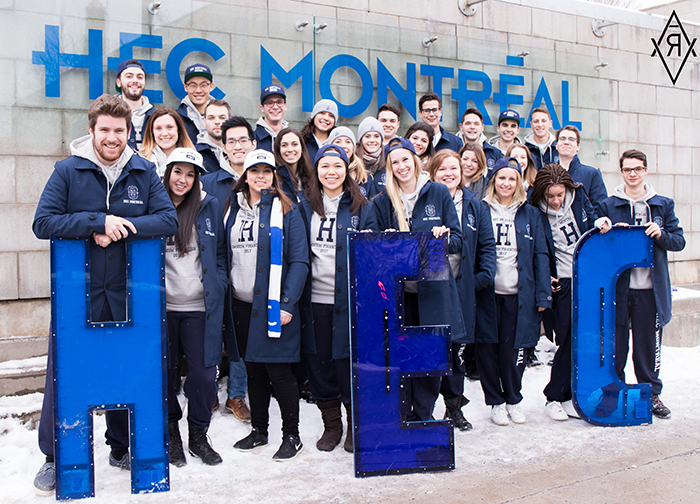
(83, 148)
(503, 222)
(640, 278)
(138, 117)
(244, 250)
(565, 233)
(324, 240)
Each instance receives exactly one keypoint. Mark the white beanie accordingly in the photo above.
(325, 105)
(341, 131)
(369, 124)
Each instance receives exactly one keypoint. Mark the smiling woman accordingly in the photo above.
(164, 132)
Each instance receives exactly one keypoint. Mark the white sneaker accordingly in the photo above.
(516, 414)
(555, 411)
(568, 407)
(499, 415)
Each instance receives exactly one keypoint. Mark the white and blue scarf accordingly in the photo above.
(274, 315)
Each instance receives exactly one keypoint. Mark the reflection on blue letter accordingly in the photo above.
(503, 98)
(407, 97)
(438, 73)
(133, 380)
(543, 95)
(599, 395)
(463, 95)
(385, 353)
(565, 107)
(303, 70)
(178, 53)
(324, 84)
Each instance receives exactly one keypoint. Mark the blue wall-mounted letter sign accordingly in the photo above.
(385, 353)
(134, 378)
(599, 395)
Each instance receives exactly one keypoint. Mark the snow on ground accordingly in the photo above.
(329, 477)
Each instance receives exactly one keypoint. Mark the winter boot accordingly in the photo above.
(348, 445)
(177, 454)
(453, 410)
(332, 425)
(200, 447)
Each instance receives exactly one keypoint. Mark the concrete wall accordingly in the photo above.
(629, 103)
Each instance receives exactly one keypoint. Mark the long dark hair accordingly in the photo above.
(547, 176)
(186, 211)
(428, 130)
(242, 186)
(302, 173)
(314, 193)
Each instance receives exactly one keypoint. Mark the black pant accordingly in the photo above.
(559, 386)
(263, 376)
(420, 394)
(117, 434)
(500, 364)
(186, 331)
(646, 339)
(329, 378)
(452, 386)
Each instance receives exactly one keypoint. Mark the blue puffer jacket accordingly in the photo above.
(477, 270)
(346, 223)
(295, 268)
(74, 205)
(438, 301)
(662, 212)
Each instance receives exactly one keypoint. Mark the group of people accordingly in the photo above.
(257, 221)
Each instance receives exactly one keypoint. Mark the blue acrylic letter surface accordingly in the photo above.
(111, 365)
(384, 353)
(599, 395)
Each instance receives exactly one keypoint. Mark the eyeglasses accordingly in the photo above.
(427, 111)
(202, 85)
(636, 169)
(567, 139)
(272, 103)
(243, 142)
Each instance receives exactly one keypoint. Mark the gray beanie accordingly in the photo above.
(325, 105)
(341, 131)
(369, 124)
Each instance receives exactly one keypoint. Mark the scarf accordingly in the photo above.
(372, 160)
(274, 315)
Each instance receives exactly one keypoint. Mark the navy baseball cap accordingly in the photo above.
(127, 64)
(405, 144)
(272, 89)
(198, 70)
(332, 150)
(509, 114)
(506, 162)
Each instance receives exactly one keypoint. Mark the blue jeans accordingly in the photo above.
(237, 380)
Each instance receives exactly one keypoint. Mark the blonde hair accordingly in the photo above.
(392, 185)
(357, 170)
(519, 196)
(437, 161)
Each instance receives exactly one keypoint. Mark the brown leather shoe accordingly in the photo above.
(238, 407)
(216, 404)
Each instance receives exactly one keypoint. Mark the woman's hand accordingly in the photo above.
(438, 231)
(285, 318)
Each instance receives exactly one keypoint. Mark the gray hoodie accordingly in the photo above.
(323, 247)
(194, 114)
(204, 139)
(530, 140)
(82, 147)
(494, 140)
(640, 278)
(261, 122)
(138, 118)
(565, 233)
(460, 135)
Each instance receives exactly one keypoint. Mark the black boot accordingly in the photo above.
(348, 445)
(332, 425)
(453, 410)
(177, 454)
(532, 360)
(200, 447)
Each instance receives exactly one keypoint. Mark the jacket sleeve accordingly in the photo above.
(591, 212)
(598, 191)
(221, 252)
(451, 220)
(672, 233)
(541, 262)
(161, 217)
(297, 260)
(375, 222)
(51, 217)
(485, 266)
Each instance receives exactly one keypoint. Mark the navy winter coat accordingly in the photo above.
(551, 155)
(477, 269)
(215, 277)
(295, 268)
(218, 185)
(73, 205)
(379, 180)
(438, 301)
(585, 216)
(492, 155)
(591, 179)
(345, 224)
(263, 139)
(211, 163)
(448, 141)
(618, 210)
(534, 286)
(131, 142)
(190, 126)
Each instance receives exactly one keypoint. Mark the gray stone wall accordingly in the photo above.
(629, 103)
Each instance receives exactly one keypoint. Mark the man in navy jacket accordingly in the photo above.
(273, 105)
(131, 83)
(106, 194)
(430, 110)
(568, 142)
(643, 295)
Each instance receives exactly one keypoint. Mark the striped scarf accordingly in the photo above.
(274, 322)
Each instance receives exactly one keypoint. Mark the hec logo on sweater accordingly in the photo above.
(133, 194)
(355, 222)
(207, 223)
(471, 222)
(431, 213)
(659, 221)
(676, 39)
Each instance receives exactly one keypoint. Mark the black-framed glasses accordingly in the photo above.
(636, 169)
(273, 103)
(202, 85)
(243, 142)
(431, 110)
